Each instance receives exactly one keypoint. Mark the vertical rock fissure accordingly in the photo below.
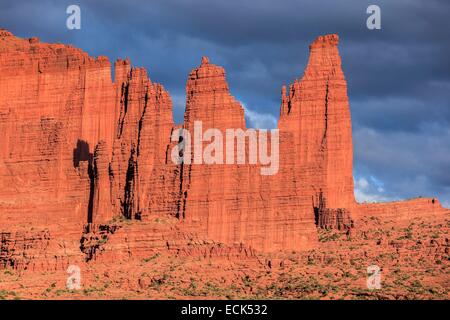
(124, 108)
(91, 174)
(129, 185)
(141, 120)
(324, 138)
(180, 214)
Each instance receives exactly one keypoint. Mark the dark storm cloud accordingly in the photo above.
(398, 77)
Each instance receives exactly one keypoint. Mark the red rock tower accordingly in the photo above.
(208, 99)
(317, 112)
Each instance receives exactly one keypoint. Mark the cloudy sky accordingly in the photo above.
(398, 77)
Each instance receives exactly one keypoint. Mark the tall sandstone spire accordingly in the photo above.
(317, 112)
(208, 99)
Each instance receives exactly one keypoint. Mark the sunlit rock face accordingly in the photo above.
(80, 152)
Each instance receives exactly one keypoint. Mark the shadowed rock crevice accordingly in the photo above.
(81, 153)
(132, 172)
(95, 237)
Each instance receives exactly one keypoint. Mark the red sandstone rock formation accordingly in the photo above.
(142, 177)
(317, 114)
(402, 211)
(80, 151)
(234, 202)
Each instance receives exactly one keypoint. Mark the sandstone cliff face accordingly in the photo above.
(401, 211)
(80, 152)
(54, 100)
